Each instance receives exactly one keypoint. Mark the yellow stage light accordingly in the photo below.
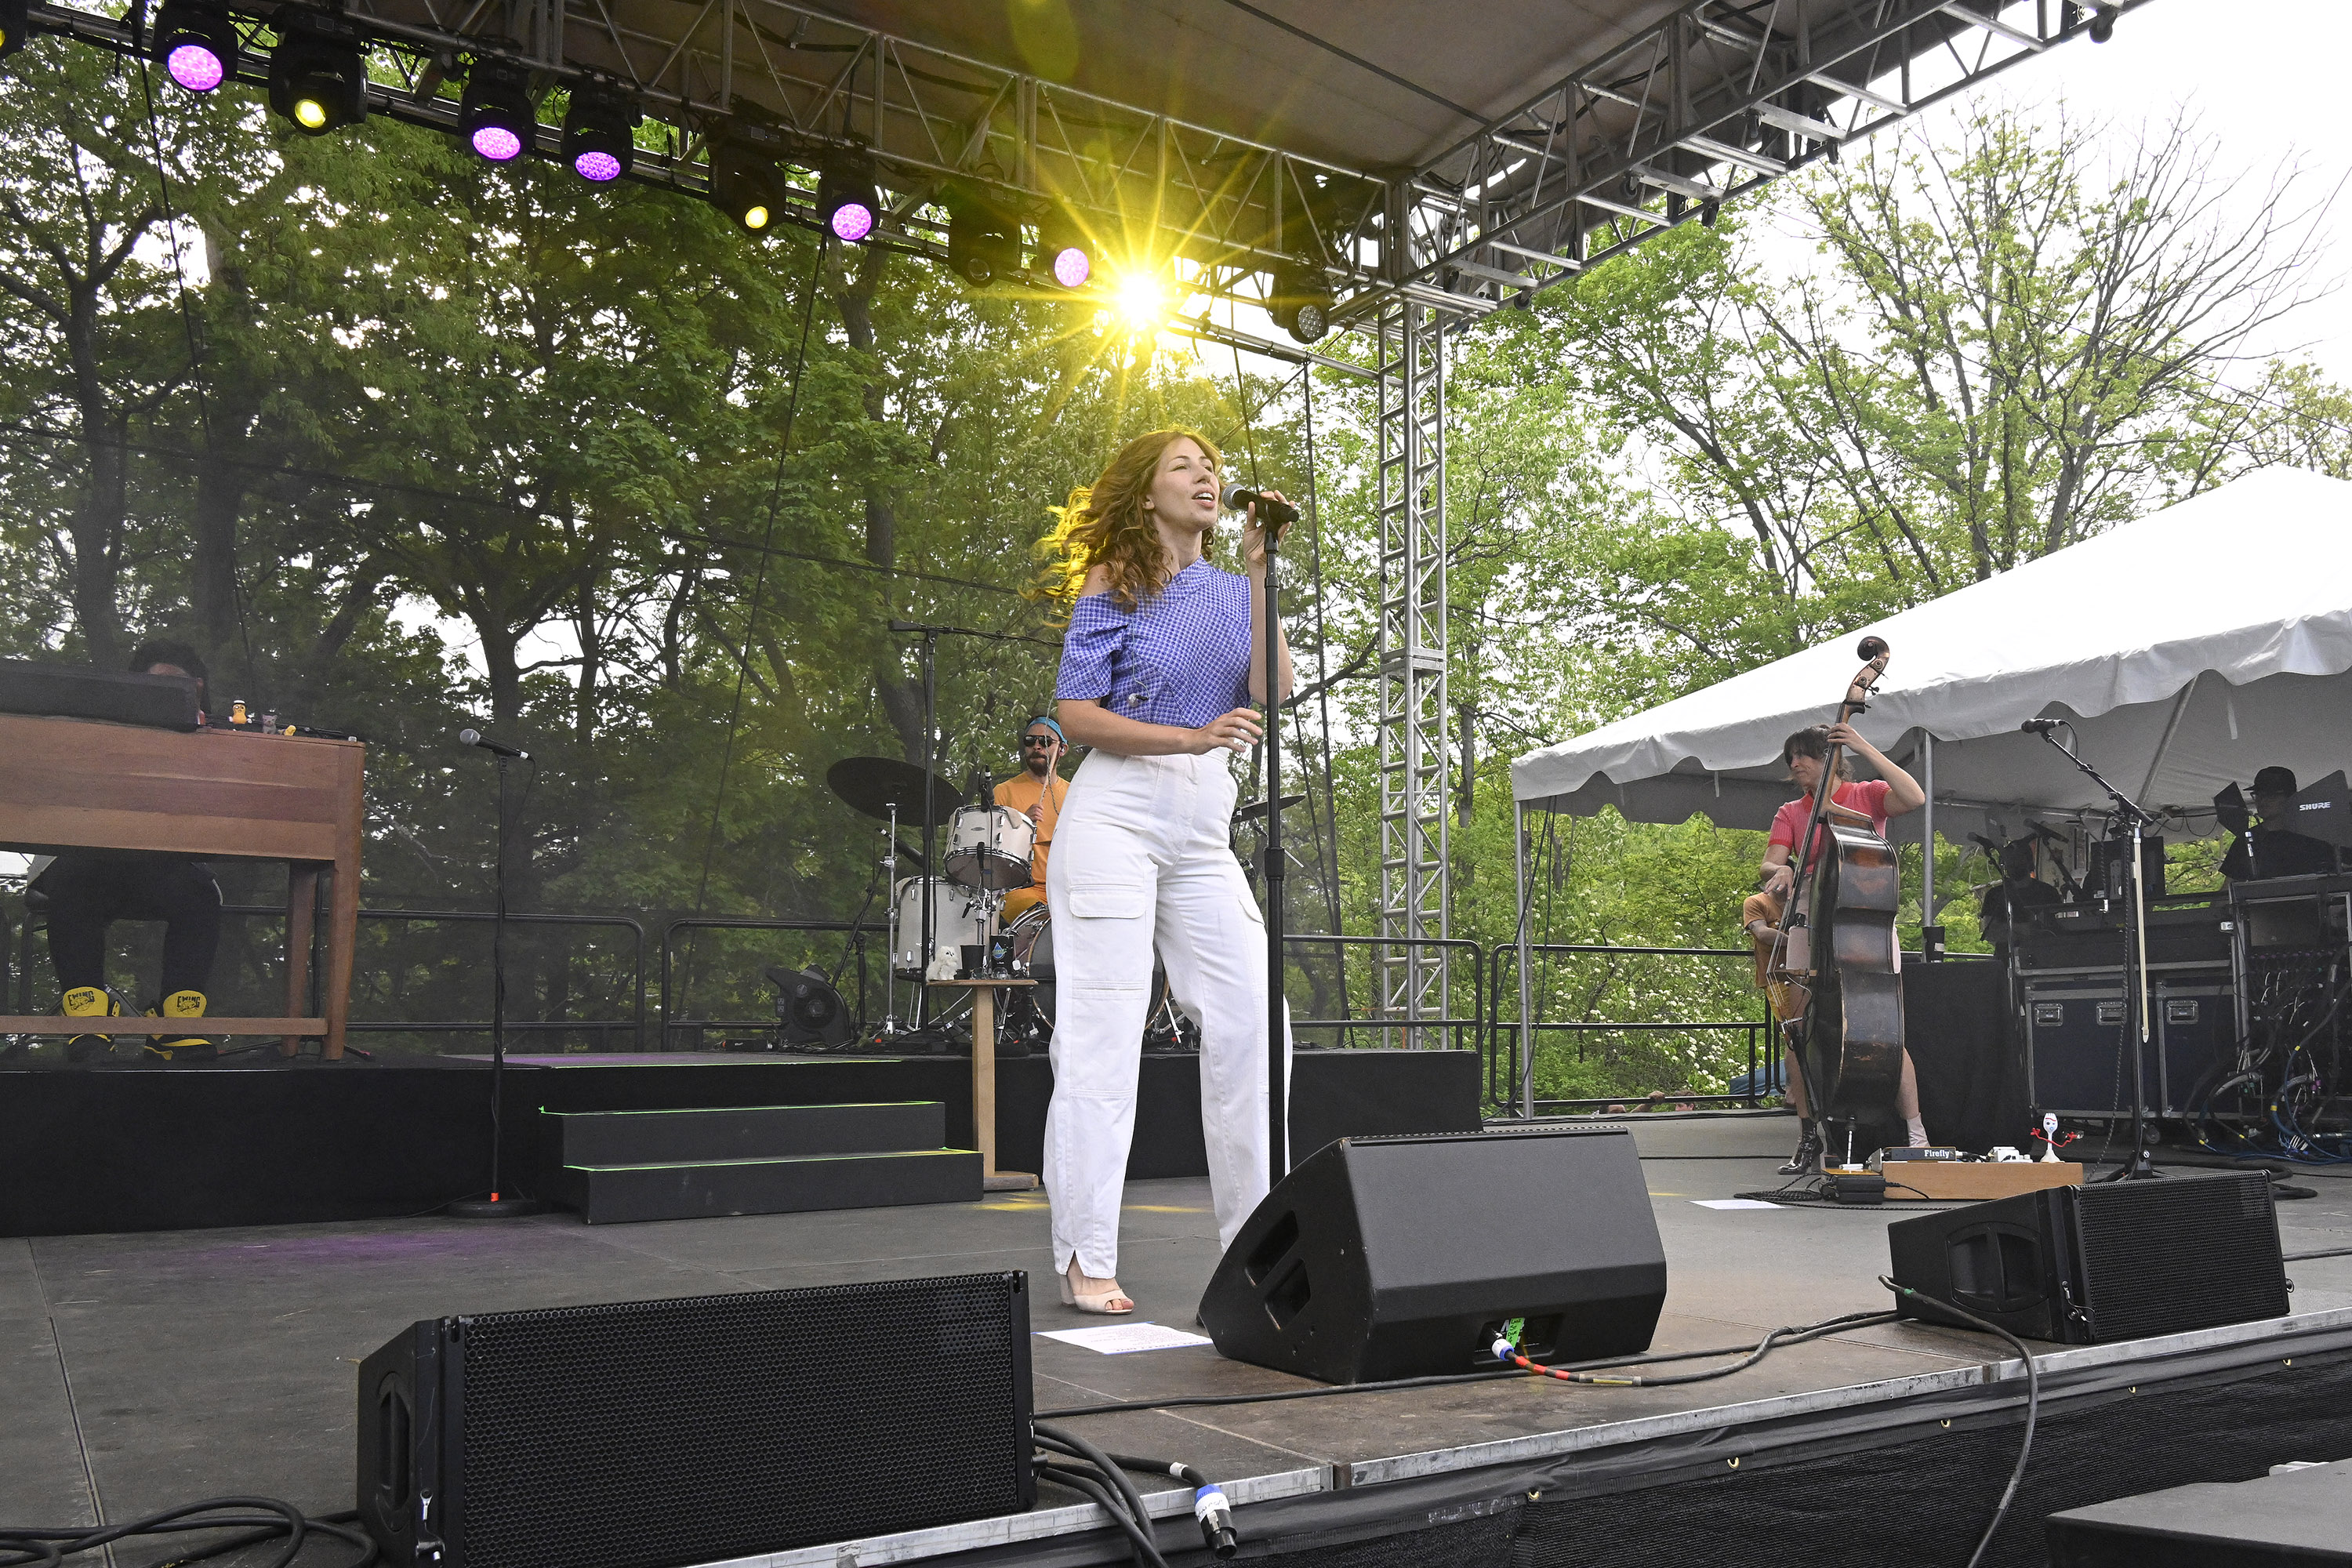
(310, 115)
(1139, 300)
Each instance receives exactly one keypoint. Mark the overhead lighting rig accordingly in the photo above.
(599, 140)
(1301, 302)
(983, 240)
(318, 71)
(846, 201)
(743, 180)
(196, 44)
(1063, 253)
(496, 116)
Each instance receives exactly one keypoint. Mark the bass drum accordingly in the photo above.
(1029, 1012)
(959, 920)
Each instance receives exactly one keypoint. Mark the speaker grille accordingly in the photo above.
(2186, 1252)
(683, 1431)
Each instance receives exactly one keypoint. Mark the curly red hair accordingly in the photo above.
(1105, 526)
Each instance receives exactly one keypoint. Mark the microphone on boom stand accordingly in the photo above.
(500, 1204)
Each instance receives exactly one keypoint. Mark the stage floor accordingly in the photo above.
(142, 1371)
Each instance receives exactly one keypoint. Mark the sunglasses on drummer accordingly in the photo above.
(1036, 740)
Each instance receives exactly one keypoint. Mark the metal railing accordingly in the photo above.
(657, 1015)
(671, 1023)
(1516, 1086)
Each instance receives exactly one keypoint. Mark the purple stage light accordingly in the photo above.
(195, 66)
(597, 166)
(497, 143)
(1071, 267)
(852, 221)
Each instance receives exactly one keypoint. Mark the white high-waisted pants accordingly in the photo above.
(1142, 852)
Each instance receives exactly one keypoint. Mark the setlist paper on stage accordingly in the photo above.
(1124, 1339)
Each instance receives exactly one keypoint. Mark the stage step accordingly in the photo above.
(709, 1189)
(743, 1133)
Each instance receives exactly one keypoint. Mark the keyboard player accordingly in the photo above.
(89, 889)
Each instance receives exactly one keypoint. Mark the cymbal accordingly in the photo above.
(873, 785)
(1256, 809)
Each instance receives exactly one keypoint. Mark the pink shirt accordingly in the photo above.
(1867, 796)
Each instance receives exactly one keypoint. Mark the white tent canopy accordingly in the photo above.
(2188, 649)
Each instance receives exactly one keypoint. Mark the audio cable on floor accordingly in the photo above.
(257, 1518)
(1509, 1353)
(1101, 1477)
(2033, 1407)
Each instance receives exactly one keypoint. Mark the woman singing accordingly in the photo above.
(1158, 671)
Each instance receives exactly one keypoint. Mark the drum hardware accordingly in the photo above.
(1256, 809)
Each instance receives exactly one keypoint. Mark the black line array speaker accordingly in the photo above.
(2122, 1260)
(653, 1433)
(1380, 1258)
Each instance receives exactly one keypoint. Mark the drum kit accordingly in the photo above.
(949, 927)
(952, 927)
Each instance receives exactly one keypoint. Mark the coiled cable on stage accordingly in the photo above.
(2033, 1407)
(1099, 1476)
(258, 1518)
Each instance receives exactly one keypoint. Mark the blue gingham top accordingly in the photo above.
(1182, 657)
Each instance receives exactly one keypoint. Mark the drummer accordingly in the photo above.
(1035, 791)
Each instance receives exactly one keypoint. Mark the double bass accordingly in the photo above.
(1838, 955)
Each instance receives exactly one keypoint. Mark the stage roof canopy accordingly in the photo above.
(2188, 648)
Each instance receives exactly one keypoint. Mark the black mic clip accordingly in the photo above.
(2042, 726)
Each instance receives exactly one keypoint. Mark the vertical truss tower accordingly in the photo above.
(1415, 881)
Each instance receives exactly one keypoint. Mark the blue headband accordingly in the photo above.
(1041, 719)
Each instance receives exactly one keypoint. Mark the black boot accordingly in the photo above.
(1807, 1159)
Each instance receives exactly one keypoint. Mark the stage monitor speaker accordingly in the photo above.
(2121, 1260)
(1381, 1257)
(653, 1433)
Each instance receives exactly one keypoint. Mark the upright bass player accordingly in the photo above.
(1892, 793)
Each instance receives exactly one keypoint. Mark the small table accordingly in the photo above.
(984, 1082)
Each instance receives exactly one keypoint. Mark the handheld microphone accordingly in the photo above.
(496, 748)
(2042, 726)
(1271, 513)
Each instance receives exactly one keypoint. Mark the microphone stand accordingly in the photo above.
(499, 1204)
(1277, 1014)
(2142, 1166)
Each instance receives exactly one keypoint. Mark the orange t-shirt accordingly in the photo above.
(1040, 800)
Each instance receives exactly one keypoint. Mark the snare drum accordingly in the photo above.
(959, 920)
(990, 846)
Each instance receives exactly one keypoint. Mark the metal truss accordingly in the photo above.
(1710, 102)
(1416, 881)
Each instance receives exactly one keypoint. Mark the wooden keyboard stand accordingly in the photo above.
(79, 784)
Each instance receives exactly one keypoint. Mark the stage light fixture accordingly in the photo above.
(598, 144)
(1063, 253)
(1140, 301)
(846, 203)
(16, 24)
(496, 117)
(1300, 304)
(2102, 23)
(984, 243)
(318, 71)
(196, 44)
(743, 185)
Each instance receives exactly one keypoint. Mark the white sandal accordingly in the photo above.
(1096, 1300)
